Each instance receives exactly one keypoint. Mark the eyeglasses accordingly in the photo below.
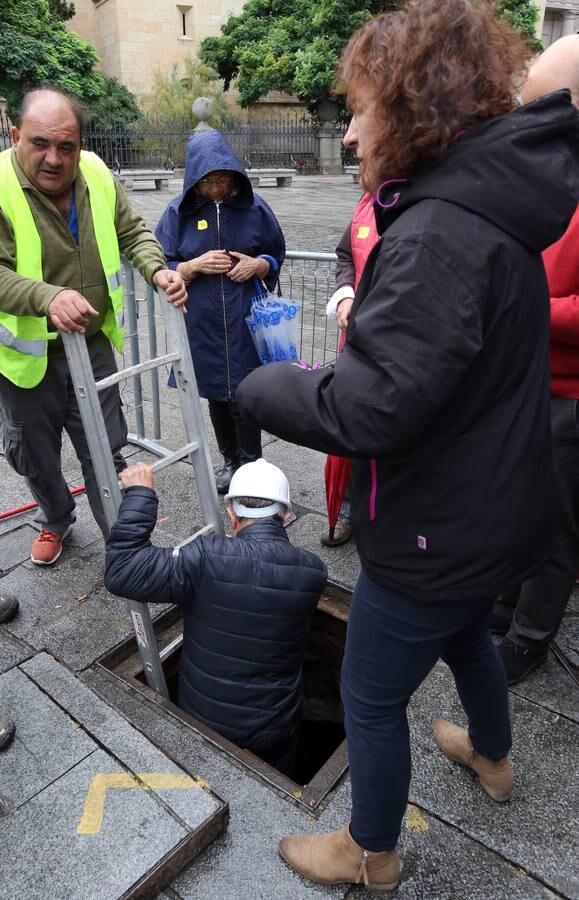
(223, 179)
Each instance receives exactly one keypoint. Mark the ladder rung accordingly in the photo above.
(172, 457)
(171, 647)
(207, 529)
(155, 363)
(176, 456)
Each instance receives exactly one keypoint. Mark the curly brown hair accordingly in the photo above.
(434, 68)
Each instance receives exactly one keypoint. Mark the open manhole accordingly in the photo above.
(322, 758)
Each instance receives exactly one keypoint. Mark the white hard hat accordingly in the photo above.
(262, 480)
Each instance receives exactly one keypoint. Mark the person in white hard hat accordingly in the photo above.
(247, 603)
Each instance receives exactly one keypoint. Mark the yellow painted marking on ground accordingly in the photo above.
(94, 805)
(297, 794)
(414, 821)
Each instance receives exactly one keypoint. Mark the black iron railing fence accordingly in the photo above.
(160, 144)
(4, 131)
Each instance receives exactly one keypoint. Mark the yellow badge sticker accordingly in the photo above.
(363, 231)
(201, 224)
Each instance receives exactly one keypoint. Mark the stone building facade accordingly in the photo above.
(136, 37)
(558, 18)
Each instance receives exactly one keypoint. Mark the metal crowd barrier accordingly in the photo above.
(307, 278)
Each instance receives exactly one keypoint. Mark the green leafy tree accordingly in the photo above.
(294, 45)
(35, 48)
(524, 15)
(174, 92)
(61, 9)
(116, 107)
(286, 45)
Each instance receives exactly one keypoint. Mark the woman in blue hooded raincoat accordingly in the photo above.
(222, 238)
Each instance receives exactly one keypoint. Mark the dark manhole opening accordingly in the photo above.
(321, 759)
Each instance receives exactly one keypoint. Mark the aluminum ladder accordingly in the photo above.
(196, 449)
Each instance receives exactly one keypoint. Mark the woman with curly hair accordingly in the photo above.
(441, 396)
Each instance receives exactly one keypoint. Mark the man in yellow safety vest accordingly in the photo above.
(64, 222)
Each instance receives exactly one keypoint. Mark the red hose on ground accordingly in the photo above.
(27, 506)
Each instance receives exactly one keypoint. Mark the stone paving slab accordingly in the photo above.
(538, 830)
(47, 593)
(551, 687)
(343, 562)
(47, 742)
(66, 608)
(44, 857)
(56, 840)
(113, 732)
(83, 634)
(15, 547)
(304, 469)
(15, 492)
(85, 531)
(12, 651)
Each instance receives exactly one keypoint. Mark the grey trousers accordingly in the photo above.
(32, 423)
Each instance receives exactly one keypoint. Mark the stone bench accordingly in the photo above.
(354, 171)
(129, 176)
(283, 177)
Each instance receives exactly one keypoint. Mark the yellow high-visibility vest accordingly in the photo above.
(23, 339)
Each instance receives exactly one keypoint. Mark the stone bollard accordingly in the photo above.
(202, 109)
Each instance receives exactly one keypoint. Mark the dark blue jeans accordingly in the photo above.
(392, 644)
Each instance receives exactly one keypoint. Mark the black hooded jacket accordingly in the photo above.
(441, 394)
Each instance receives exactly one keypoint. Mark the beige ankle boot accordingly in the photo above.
(496, 778)
(337, 859)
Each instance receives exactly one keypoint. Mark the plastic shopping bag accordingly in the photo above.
(273, 325)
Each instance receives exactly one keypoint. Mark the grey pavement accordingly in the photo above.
(77, 723)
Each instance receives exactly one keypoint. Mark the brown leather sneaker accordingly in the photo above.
(336, 858)
(496, 778)
(47, 547)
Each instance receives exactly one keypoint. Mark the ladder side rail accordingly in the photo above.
(106, 476)
(176, 333)
(131, 308)
(152, 330)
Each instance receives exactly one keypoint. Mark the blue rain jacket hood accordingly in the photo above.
(221, 345)
(209, 152)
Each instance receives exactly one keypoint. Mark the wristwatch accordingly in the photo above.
(157, 269)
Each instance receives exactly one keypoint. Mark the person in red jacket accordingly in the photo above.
(530, 616)
(352, 251)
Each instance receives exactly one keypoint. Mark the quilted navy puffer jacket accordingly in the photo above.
(247, 604)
